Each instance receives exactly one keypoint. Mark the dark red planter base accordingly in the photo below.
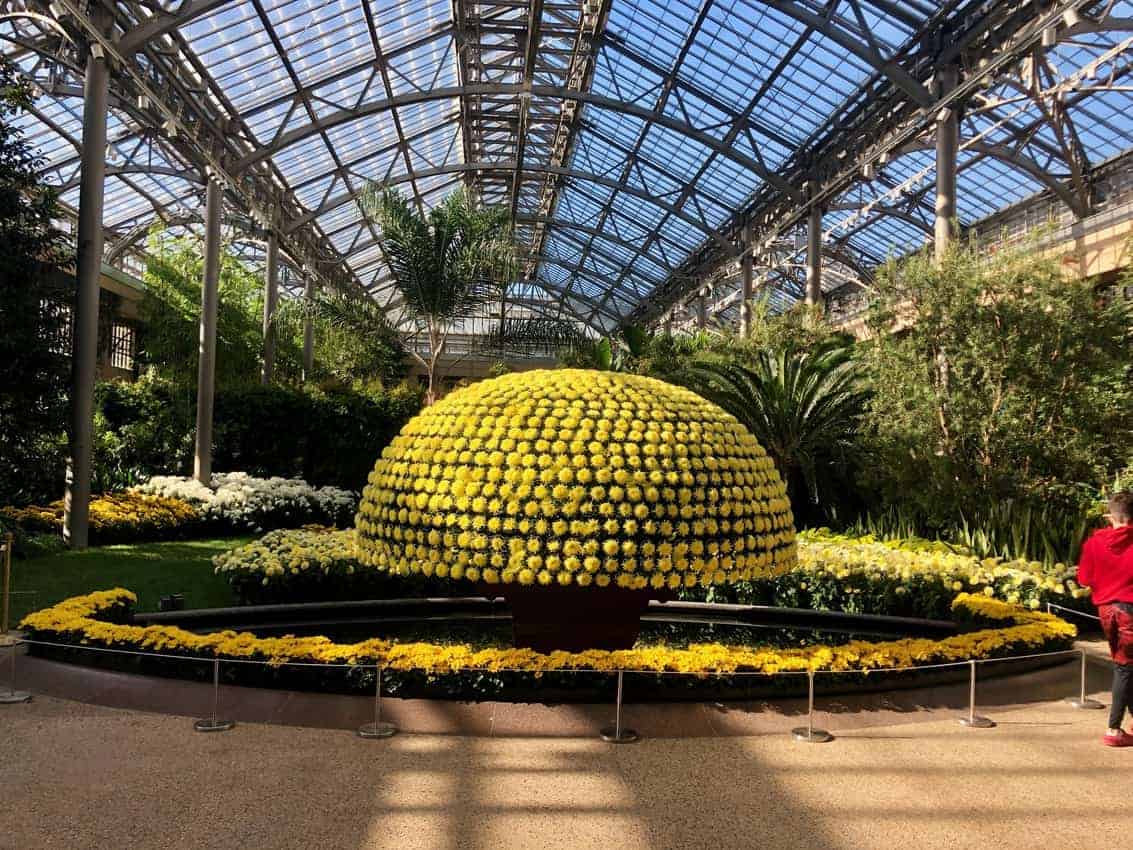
(574, 618)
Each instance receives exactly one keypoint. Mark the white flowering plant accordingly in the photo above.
(242, 502)
(312, 564)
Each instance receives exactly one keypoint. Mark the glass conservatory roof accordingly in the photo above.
(636, 143)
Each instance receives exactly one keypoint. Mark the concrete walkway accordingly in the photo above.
(77, 776)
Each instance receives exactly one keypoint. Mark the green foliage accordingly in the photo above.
(354, 340)
(171, 310)
(33, 377)
(802, 406)
(325, 436)
(800, 328)
(1001, 397)
(528, 335)
(634, 349)
(150, 569)
(447, 262)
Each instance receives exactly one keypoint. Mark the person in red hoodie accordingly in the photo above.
(1106, 567)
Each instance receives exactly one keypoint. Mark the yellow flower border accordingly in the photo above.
(76, 619)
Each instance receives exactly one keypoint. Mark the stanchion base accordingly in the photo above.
(377, 730)
(611, 735)
(811, 736)
(14, 697)
(8, 640)
(1085, 703)
(977, 722)
(210, 725)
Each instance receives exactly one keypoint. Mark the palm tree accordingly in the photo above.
(447, 263)
(802, 406)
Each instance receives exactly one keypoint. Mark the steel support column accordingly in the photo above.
(308, 327)
(271, 304)
(206, 366)
(84, 343)
(947, 146)
(701, 309)
(747, 269)
(814, 257)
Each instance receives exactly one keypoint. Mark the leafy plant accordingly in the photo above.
(171, 309)
(33, 368)
(1002, 402)
(354, 340)
(802, 406)
(446, 263)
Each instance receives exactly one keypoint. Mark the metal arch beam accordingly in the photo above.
(344, 116)
(506, 166)
(550, 287)
(991, 39)
(606, 236)
(608, 258)
(547, 285)
(570, 228)
(572, 234)
(548, 310)
(188, 175)
(868, 53)
(172, 88)
(161, 24)
(1022, 162)
(885, 210)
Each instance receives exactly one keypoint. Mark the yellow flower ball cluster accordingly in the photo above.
(577, 477)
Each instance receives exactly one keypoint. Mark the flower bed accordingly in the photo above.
(240, 502)
(313, 564)
(170, 507)
(858, 575)
(100, 619)
(912, 578)
(115, 518)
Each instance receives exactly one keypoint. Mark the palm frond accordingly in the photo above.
(529, 335)
(446, 263)
(802, 406)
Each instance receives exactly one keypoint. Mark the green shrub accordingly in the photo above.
(1001, 398)
(324, 436)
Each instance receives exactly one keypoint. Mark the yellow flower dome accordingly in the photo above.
(501, 473)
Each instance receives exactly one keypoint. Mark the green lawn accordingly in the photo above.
(151, 570)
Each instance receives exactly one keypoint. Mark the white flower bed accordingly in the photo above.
(241, 501)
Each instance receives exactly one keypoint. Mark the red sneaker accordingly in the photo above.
(1122, 739)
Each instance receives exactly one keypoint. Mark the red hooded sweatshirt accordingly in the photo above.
(1106, 565)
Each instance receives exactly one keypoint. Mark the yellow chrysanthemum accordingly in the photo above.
(591, 463)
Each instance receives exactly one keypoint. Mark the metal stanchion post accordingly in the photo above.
(9, 544)
(808, 733)
(1083, 701)
(974, 720)
(214, 723)
(617, 734)
(12, 696)
(379, 728)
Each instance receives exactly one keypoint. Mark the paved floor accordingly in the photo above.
(77, 776)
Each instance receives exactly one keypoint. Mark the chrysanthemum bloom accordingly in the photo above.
(676, 475)
(619, 484)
